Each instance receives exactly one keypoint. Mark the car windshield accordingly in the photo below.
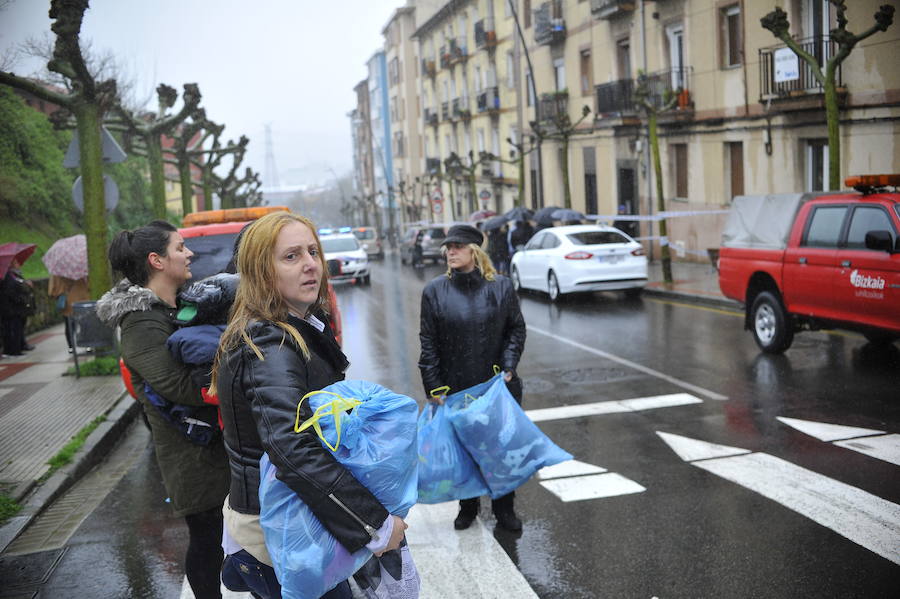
(436, 233)
(339, 244)
(212, 253)
(596, 238)
(367, 234)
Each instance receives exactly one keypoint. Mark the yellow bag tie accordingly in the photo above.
(335, 408)
(497, 369)
(438, 391)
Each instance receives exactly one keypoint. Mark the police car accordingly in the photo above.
(346, 258)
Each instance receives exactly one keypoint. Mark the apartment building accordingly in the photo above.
(469, 94)
(405, 114)
(737, 125)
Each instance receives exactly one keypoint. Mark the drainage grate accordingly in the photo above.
(22, 575)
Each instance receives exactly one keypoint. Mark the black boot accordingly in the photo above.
(505, 513)
(468, 510)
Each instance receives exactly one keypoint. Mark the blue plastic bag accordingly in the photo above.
(446, 470)
(503, 441)
(376, 442)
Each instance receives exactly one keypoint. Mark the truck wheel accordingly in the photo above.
(771, 327)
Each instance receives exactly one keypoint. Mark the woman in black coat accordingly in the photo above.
(470, 322)
(276, 349)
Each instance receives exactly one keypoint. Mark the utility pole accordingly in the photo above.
(271, 170)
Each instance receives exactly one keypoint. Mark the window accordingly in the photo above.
(529, 89)
(734, 163)
(825, 226)
(550, 242)
(394, 71)
(536, 241)
(675, 38)
(587, 75)
(597, 238)
(865, 219)
(623, 58)
(559, 73)
(679, 160)
(730, 38)
(510, 70)
(526, 13)
(816, 164)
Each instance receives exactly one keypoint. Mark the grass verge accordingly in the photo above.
(103, 366)
(65, 454)
(8, 508)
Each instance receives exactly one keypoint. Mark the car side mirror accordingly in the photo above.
(881, 241)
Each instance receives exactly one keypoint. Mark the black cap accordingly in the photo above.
(464, 234)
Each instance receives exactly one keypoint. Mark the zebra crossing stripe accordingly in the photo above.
(871, 442)
(865, 519)
(613, 407)
(579, 481)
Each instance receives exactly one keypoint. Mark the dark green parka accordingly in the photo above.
(196, 477)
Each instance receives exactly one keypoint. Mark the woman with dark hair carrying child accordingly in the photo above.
(156, 264)
(275, 350)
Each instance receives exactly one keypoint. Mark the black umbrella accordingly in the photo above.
(493, 223)
(566, 215)
(519, 213)
(544, 215)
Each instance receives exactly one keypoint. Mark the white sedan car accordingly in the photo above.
(346, 258)
(576, 258)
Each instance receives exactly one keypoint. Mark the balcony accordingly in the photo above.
(428, 68)
(553, 106)
(608, 9)
(460, 108)
(445, 111)
(445, 58)
(458, 51)
(549, 25)
(431, 117)
(615, 99)
(489, 100)
(798, 89)
(485, 35)
(433, 166)
(671, 87)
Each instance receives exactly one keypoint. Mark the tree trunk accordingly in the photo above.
(521, 201)
(187, 188)
(208, 188)
(157, 175)
(564, 165)
(87, 116)
(661, 203)
(473, 194)
(450, 201)
(832, 117)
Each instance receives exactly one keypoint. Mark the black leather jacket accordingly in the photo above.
(258, 401)
(468, 325)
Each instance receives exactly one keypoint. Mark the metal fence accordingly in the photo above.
(821, 47)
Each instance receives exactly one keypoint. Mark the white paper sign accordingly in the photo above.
(787, 65)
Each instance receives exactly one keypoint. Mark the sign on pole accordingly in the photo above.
(787, 65)
(112, 153)
(110, 193)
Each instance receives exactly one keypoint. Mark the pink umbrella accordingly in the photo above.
(67, 257)
(12, 250)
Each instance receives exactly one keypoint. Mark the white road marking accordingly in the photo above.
(873, 443)
(828, 432)
(630, 364)
(612, 407)
(594, 486)
(885, 447)
(691, 450)
(569, 468)
(865, 519)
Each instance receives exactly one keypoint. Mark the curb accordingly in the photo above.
(693, 298)
(95, 448)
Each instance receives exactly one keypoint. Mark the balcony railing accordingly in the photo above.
(461, 108)
(553, 106)
(445, 111)
(428, 68)
(805, 83)
(433, 166)
(431, 117)
(549, 25)
(607, 9)
(485, 35)
(615, 98)
(458, 50)
(489, 100)
(445, 58)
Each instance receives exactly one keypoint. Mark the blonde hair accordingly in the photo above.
(257, 297)
(482, 261)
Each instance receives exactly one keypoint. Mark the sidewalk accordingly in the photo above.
(40, 410)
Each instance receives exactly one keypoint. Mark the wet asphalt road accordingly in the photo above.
(690, 532)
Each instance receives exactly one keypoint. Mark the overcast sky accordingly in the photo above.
(291, 63)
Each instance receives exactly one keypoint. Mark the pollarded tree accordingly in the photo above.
(559, 127)
(88, 100)
(149, 130)
(777, 22)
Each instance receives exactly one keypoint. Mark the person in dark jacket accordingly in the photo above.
(276, 349)
(471, 321)
(498, 249)
(16, 305)
(156, 264)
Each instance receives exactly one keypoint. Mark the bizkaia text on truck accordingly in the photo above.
(816, 261)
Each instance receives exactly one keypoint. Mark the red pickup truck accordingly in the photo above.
(816, 261)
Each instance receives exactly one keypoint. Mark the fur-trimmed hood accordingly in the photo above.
(123, 298)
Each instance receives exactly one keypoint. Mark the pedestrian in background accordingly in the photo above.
(275, 350)
(66, 292)
(156, 264)
(470, 322)
(16, 305)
